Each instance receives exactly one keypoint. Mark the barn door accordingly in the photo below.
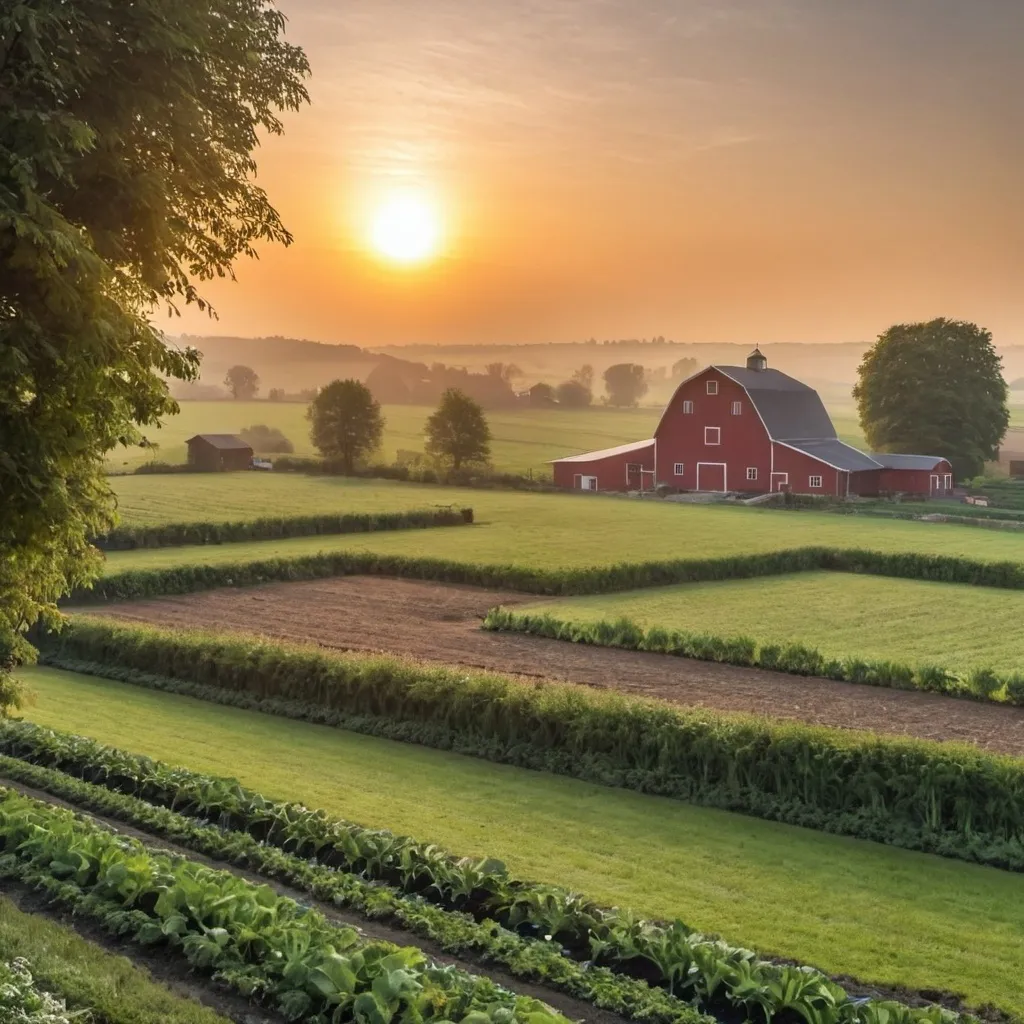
(935, 483)
(711, 476)
(634, 476)
(780, 481)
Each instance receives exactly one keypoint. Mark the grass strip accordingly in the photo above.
(718, 976)
(88, 977)
(183, 579)
(23, 1002)
(956, 801)
(978, 683)
(130, 538)
(457, 932)
(262, 945)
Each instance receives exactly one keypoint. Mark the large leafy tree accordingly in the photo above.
(126, 180)
(626, 384)
(346, 422)
(934, 388)
(242, 381)
(458, 432)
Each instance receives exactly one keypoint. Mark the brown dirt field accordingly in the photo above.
(438, 622)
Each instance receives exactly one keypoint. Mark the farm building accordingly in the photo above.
(213, 452)
(751, 429)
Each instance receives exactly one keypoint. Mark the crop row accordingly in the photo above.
(184, 579)
(956, 801)
(798, 659)
(403, 874)
(263, 945)
(128, 538)
(23, 1002)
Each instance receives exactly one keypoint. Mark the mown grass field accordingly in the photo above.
(540, 530)
(909, 621)
(847, 906)
(523, 439)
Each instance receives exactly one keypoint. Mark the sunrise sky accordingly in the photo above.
(709, 170)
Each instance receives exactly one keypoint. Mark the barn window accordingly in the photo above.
(737, 408)
(814, 481)
(678, 468)
(712, 387)
(688, 407)
(712, 435)
(751, 472)
(948, 481)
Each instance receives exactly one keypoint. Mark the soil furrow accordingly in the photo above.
(437, 622)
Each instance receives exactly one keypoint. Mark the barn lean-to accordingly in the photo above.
(751, 429)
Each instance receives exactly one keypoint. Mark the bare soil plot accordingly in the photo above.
(438, 622)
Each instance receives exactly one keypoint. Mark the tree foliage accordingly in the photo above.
(458, 432)
(683, 368)
(934, 388)
(626, 384)
(572, 394)
(347, 423)
(243, 382)
(126, 134)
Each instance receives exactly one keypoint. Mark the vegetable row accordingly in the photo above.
(717, 976)
(23, 1002)
(798, 659)
(185, 579)
(128, 538)
(956, 801)
(263, 945)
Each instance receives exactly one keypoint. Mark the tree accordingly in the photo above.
(626, 384)
(542, 396)
(242, 382)
(683, 368)
(458, 431)
(573, 395)
(506, 372)
(346, 422)
(126, 180)
(934, 388)
(275, 395)
(585, 376)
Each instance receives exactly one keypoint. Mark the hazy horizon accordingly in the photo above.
(780, 171)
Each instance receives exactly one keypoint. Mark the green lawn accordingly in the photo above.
(848, 906)
(523, 439)
(516, 527)
(841, 614)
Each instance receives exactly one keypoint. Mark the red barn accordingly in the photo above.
(751, 429)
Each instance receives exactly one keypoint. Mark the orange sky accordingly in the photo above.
(710, 170)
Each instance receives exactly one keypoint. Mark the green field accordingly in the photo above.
(523, 439)
(847, 906)
(540, 530)
(909, 621)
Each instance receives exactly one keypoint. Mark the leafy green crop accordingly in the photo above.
(688, 964)
(265, 946)
(21, 1002)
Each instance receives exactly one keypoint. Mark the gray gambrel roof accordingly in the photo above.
(837, 453)
(791, 411)
(225, 442)
(888, 460)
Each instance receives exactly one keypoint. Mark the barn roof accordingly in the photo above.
(887, 460)
(604, 453)
(225, 442)
(789, 408)
(836, 453)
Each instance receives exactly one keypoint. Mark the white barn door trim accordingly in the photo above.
(725, 475)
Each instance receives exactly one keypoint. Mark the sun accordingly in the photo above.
(406, 229)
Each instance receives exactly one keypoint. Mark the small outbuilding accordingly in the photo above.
(627, 467)
(212, 453)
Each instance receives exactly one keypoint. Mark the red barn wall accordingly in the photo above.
(801, 467)
(610, 471)
(744, 440)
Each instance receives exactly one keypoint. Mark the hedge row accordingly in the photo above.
(511, 920)
(951, 800)
(128, 538)
(184, 579)
(797, 659)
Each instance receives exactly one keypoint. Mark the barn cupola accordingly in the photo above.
(756, 361)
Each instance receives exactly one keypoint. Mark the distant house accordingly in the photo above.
(751, 429)
(214, 452)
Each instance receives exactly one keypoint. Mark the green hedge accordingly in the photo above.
(183, 579)
(797, 659)
(952, 800)
(128, 538)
